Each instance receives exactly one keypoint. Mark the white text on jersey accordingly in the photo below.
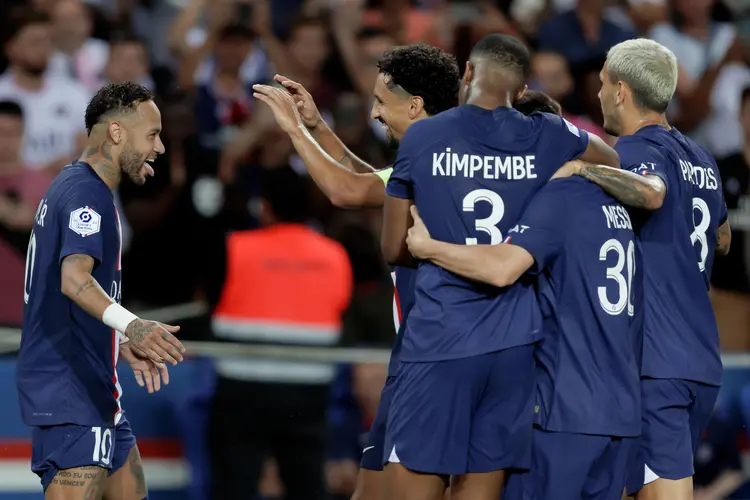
(617, 217)
(512, 168)
(41, 212)
(701, 177)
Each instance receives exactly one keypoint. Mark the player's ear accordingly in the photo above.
(416, 106)
(116, 132)
(620, 94)
(521, 92)
(468, 73)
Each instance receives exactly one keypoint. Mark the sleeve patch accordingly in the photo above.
(572, 128)
(85, 221)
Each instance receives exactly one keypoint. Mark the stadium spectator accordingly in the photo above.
(20, 192)
(53, 105)
(284, 284)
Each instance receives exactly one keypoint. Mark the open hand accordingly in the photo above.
(147, 373)
(155, 340)
(305, 105)
(281, 104)
(418, 238)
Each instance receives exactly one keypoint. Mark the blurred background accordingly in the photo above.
(254, 424)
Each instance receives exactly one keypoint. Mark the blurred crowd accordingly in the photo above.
(201, 59)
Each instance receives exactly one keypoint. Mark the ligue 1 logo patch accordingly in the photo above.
(85, 221)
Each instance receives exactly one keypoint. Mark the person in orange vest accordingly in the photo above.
(284, 284)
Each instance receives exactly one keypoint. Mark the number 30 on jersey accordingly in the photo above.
(617, 274)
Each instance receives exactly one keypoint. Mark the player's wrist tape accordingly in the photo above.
(117, 317)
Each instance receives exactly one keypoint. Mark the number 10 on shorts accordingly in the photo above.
(102, 445)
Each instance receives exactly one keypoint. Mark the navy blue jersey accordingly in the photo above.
(591, 294)
(403, 300)
(677, 243)
(470, 172)
(66, 365)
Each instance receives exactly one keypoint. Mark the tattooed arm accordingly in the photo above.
(79, 285)
(153, 339)
(723, 239)
(635, 190)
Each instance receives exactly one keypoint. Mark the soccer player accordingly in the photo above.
(354, 190)
(405, 92)
(580, 243)
(74, 327)
(681, 218)
(462, 404)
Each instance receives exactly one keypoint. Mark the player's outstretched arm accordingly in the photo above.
(498, 265)
(345, 189)
(723, 238)
(629, 188)
(153, 339)
(321, 132)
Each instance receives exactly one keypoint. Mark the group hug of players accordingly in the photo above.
(555, 340)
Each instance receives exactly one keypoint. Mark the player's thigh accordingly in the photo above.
(78, 483)
(666, 437)
(429, 420)
(502, 421)
(704, 402)
(370, 485)
(404, 484)
(126, 480)
(60, 453)
(481, 486)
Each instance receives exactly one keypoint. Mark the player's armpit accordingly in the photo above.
(599, 152)
(723, 238)
(397, 220)
(498, 265)
(629, 188)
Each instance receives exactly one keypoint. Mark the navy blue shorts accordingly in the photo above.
(463, 415)
(59, 447)
(675, 412)
(568, 466)
(372, 454)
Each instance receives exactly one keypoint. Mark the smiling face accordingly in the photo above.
(142, 144)
(391, 107)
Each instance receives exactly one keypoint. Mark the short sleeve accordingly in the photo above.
(642, 158)
(541, 229)
(81, 221)
(385, 174)
(400, 184)
(567, 142)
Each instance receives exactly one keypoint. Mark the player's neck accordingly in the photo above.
(98, 154)
(489, 100)
(640, 121)
(25, 80)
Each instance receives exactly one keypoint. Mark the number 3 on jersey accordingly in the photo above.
(616, 273)
(488, 224)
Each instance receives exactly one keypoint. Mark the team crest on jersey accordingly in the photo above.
(85, 221)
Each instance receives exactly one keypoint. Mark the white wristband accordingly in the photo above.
(117, 317)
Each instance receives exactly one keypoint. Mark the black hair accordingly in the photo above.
(536, 100)
(423, 71)
(19, 18)
(125, 38)
(235, 31)
(115, 98)
(506, 51)
(286, 193)
(11, 108)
